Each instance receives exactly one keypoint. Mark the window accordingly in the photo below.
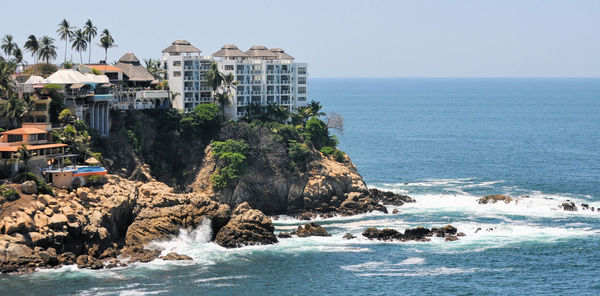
(302, 70)
(256, 77)
(228, 67)
(256, 67)
(301, 90)
(15, 138)
(176, 63)
(301, 80)
(176, 73)
(302, 99)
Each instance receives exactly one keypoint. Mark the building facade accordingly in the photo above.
(263, 76)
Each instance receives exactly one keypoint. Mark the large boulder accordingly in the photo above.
(417, 234)
(389, 198)
(246, 227)
(28, 187)
(569, 206)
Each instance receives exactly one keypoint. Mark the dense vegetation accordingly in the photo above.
(230, 154)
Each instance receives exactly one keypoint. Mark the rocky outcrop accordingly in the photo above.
(246, 227)
(415, 234)
(310, 229)
(91, 227)
(495, 198)
(324, 187)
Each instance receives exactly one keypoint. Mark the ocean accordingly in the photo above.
(446, 143)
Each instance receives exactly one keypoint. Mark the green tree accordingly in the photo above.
(90, 32)
(7, 45)
(232, 161)
(13, 110)
(316, 131)
(106, 42)
(214, 77)
(47, 49)
(79, 43)
(7, 83)
(33, 46)
(24, 154)
(18, 55)
(65, 32)
(153, 66)
(65, 116)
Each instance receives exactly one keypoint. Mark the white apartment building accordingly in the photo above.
(264, 76)
(185, 68)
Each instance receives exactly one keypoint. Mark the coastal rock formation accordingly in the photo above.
(310, 229)
(495, 198)
(28, 187)
(175, 257)
(417, 234)
(324, 187)
(90, 227)
(246, 227)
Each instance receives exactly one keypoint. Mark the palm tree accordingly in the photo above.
(314, 109)
(8, 45)
(214, 77)
(13, 110)
(90, 31)
(33, 46)
(65, 32)
(106, 42)
(47, 49)
(24, 154)
(18, 54)
(7, 83)
(79, 43)
(153, 66)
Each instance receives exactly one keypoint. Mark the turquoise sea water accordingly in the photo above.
(445, 142)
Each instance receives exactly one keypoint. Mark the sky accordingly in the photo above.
(427, 38)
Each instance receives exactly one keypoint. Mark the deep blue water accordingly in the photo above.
(445, 142)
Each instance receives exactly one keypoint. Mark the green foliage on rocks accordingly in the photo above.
(230, 154)
(327, 150)
(10, 194)
(77, 138)
(298, 152)
(339, 156)
(203, 120)
(42, 187)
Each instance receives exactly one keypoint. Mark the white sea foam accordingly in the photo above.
(223, 278)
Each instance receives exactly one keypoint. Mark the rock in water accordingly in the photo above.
(246, 227)
(417, 234)
(386, 234)
(311, 229)
(569, 206)
(175, 257)
(389, 198)
(495, 198)
(284, 235)
(349, 236)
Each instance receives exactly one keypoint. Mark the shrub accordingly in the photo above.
(339, 156)
(205, 118)
(95, 181)
(65, 116)
(133, 140)
(231, 154)
(298, 152)
(11, 194)
(327, 150)
(316, 131)
(42, 187)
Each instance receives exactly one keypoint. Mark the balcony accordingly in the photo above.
(256, 92)
(285, 92)
(190, 88)
(286, 71)
(255, 82)
(255, 71)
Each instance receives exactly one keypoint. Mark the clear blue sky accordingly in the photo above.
(347, 38)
